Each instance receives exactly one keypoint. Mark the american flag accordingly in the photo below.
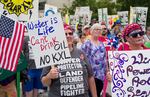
(11, 40)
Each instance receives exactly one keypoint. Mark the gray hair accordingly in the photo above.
(95, 26)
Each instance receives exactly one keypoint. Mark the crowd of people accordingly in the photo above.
(89, 43)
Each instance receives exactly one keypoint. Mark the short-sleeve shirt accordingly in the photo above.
(97, 58)
(87, 72)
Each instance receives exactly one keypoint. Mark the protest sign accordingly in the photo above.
(123, 16)
(71, 77)
(130, 73)
(100, 14)
(72, 20)
(22, 10)
(139, 15)
(83, 15)
(49, 9)
(103, 15)
(48, 40)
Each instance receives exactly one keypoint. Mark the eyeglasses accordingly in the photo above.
(69, 34)
(97, 29)
(135, 35)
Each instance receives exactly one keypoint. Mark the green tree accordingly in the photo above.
(120, 5)
(94, 5)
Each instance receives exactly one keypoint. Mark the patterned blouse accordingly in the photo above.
(97, 58)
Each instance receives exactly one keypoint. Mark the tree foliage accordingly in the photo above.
(135, 3)
(94, 5)
(120, 5)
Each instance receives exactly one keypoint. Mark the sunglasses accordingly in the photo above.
(135, 35)
(104, 28)
(69, 34)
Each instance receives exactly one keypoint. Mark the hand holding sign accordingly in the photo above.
(108, 76)
(53, 73)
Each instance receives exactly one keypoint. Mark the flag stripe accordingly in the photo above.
(15, 47)
(5, 53)
(22, 29)
(0, 39)
(5, 41)
(0, 51)
(8, 52)
(3, 50)
(12, 46)
(1, 46)
(17, 50)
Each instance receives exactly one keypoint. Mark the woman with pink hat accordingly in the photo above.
(134, 37)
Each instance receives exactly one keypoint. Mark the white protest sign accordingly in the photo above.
(100, 13)
(132, 16)
(71, 77)
(139, 15)
(83, 14)
(48, 40)
(22, 10)
(49, 9)
(82, 10)
(130, 73)
(103, 15)
(123, 16)
(72, 20)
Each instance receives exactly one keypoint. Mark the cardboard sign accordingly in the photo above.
(22, 10)
(130, 73)
(48, 40)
